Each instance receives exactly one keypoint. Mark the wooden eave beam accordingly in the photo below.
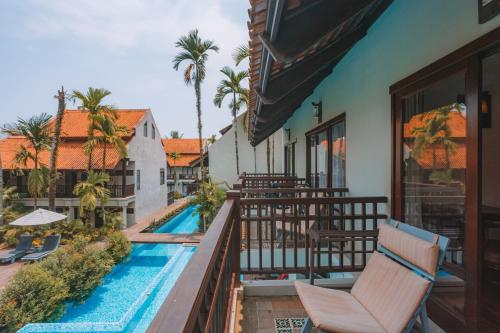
(280, 86)
(302, 27)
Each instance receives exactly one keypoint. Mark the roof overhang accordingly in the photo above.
(294, 46)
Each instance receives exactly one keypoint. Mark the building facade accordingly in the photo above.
(138, 181)
(222, 154)
(400, 100)
(183, 157)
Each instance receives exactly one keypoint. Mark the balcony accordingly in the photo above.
(66, 191)
(269, 227)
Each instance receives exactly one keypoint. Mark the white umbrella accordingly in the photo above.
(39, 217)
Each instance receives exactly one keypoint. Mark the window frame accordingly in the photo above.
(138, 180)
(162, 176)
(145, 129)
(325, 127)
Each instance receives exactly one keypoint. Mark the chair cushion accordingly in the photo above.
(417, 251)
(336, 311)
(390, 292)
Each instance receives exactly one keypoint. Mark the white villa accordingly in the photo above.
(183, 170)
(138, 182)
(250, 160)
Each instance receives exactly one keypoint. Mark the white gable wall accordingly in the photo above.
(149, 157)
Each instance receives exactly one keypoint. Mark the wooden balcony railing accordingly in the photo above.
(275, 233)
(272, 181)
(200, 299)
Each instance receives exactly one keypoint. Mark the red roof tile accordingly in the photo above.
(188, 149)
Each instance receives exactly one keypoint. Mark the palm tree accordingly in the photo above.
(61, 98)
(36, 131)
(92, 190)
(241, 53)
(194, 50)
(212, 139)
(91, 101)
(176, 135)
(108, 134)
(231, 85)
(174, 156)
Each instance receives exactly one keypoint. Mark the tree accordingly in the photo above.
(209, 200)
(91, 101)
(92, 190)
(174, 156)
(241, 53)
(36, 131)
(108, 134)
(212, 139)
(194, 50)
(231, 85)
(176, 135)
(61, 99)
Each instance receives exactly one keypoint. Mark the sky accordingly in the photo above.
(125, 46)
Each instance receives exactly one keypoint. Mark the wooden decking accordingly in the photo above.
(164, 238)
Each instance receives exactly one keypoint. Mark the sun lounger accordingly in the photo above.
(389, 294)
(25, 243)
(50, 244)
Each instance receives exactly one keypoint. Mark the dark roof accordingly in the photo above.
(294, 45)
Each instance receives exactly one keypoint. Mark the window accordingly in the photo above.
(162, 176)
(153, 132)
(326, 147)
(138, 179)
(146, 129)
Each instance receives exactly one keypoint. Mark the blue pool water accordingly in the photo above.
(186, 222)
(130, 295)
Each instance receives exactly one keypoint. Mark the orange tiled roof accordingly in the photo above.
(70, 157)
(188, 149)
(75, 122)
(73, 135)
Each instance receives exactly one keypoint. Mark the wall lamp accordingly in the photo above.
(318, 111)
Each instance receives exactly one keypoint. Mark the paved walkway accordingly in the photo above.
(135, 235)
(7, 272)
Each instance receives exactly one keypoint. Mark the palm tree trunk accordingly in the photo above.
(55, 147)
(268, 156)
(104, 148)
(91, 137)
(35, 195)
(235, 121)
(197, 90)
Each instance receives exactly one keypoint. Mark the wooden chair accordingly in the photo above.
(390, 294)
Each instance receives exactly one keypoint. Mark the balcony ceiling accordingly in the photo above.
(294, 45)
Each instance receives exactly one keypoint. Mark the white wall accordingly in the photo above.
(222, 164)
(408, 36)
(149, 157)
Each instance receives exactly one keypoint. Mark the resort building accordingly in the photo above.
(138, 181)
(251, 159)
(183, 158)
(388, 110)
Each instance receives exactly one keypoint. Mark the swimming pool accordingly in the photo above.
(186, 222)
(130, 295)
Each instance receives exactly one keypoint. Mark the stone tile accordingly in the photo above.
(264, 305)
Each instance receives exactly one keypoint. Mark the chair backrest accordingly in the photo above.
(419, 250)
(51, 242)
(397, 280)
(25, 243)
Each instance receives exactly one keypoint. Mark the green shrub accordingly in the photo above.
(118, 246)
(33, 295)
(81, 265)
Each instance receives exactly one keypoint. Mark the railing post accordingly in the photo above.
(236, 236)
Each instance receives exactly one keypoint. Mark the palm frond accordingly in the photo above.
(241, 53)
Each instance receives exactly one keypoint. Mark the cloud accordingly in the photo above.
(122, 26)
